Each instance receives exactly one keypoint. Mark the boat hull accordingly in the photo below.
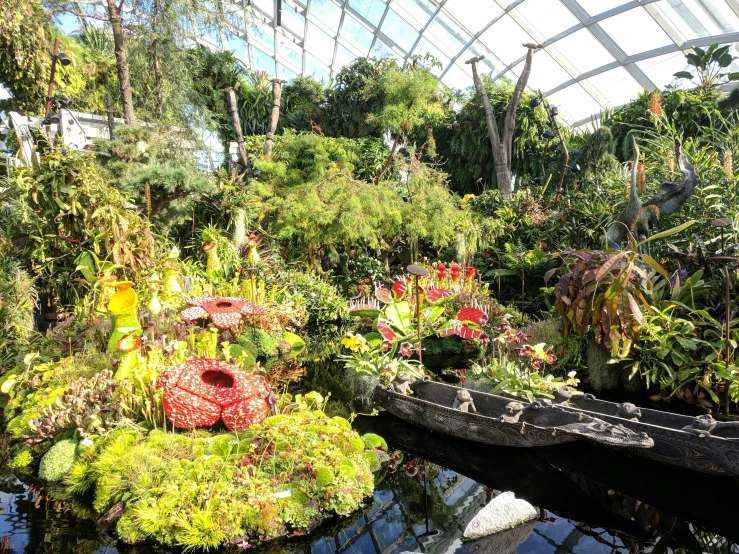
(703, 452)
(465, 425)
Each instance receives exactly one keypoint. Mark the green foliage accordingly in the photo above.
(266, 345)
(516, 367)
(283, 475)
(708, 66)
(25, 39)
(410, 100)
(693, 110)
(67, 206)
(607, 292)
(356, 94)
(22, 460)
(18, 297)
(161, 158)
(57, 462)
(317, 206)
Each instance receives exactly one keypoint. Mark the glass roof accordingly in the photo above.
(597, 53)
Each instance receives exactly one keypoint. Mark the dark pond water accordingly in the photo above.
(590, 500)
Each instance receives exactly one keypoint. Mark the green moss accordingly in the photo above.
(357, 444)
(57, 462)
(374, 441)
(221, 445)
(298, 511)
(324, 476)
(198, 490)
(23, 459)
(342, 422)
(372, 460)
(265, 344)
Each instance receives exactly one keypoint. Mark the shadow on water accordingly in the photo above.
(590, 500)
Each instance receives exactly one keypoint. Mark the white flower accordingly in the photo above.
(86, 442)
(206, 456)
(572, 374)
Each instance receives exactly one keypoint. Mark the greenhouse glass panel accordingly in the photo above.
(458, 76)
(545, 72)
(447, 34)
(595, 7)
(698, 18)
(576, 102)
(418, 11)
(356, 34)
(293, 19)
(344, 56)
(425, 46)
(290, 53)
(616, 85)
(325, 11)
(583, 51)
(320, 44)
(371, 10)
(635, 31)
(661, 69)
(263, 61)
(267, 6)
(383, 50)
(473, 20)
(589, 42)
(264, 36)
(316, 69)
(505, 38)
(547, 17)
(286, 73)
(398, 30)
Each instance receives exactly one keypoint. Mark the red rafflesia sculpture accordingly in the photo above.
(200, 392)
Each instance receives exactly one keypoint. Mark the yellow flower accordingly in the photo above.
(466, 199)
(125, 300)
(539, 352)
(572, 380)
(355, 343)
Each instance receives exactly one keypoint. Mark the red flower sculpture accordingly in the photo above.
(224, 311)
(200, 392)
(440, 272)
(455, 273)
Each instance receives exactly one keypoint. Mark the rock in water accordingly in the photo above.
(505, 542)
(505, 511)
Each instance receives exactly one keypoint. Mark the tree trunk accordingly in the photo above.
(389, 159)
(274, 116)
(509, 125)
(502, 148)
(233, 106)
(155, 60)
(121, 61)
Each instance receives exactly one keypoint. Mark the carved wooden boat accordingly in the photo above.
(493, 419)
(699, 443)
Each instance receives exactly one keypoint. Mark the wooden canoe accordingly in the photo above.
(492, 419)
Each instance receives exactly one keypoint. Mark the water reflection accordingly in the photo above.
(592, 500)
